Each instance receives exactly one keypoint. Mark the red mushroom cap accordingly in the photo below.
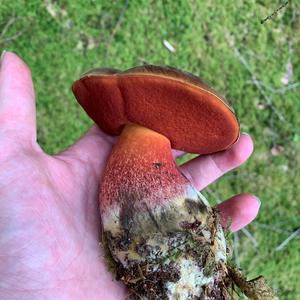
(171, 102)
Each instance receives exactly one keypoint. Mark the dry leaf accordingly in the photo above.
(277, 150)
(284, 168)
(261, 106)
(51, 9)
(287, 77)
(170, 47)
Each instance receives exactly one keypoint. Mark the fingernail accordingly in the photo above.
(2, 55)
(246, 133)
(250, 136)
(258, 200)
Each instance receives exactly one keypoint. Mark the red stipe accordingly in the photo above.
(141, 171)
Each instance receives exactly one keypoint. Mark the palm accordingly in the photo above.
(49, 224)
(55, 240)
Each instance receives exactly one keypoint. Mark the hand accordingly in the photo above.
(49, 216)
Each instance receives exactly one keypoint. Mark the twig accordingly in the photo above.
(252, 53)
(235, 249)
(282, 90)
(6, 27)
(289, 87)
(239, 175)
(10, 22)
(285, 89)
(271, 227)
(250, 236)
(119, 21)
(213, 194)
(290, 221)
(256, 82)
(117, 25)
(286, 241)
(274, 12)
(11, 38)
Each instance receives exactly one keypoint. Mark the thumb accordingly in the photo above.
(92, 150)
(17, 100)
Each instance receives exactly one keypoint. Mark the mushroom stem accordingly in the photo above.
(142, 167)
(156, 227)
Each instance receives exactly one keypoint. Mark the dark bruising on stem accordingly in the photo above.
(133, 221)
(194, 207)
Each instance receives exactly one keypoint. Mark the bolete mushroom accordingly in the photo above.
(164, 238)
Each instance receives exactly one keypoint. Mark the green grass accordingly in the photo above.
(224, 43)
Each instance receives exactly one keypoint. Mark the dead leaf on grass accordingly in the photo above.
(169, 46)
(287, 76)
(277, 150)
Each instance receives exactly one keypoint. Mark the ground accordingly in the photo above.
(256, 66)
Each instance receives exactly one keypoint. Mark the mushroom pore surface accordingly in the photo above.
(176, 104)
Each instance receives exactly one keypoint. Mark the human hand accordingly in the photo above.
(49, 216)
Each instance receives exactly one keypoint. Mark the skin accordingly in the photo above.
(49, 214)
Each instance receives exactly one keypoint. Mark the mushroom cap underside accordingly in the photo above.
(176, 104)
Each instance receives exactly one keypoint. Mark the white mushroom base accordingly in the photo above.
(175, 251)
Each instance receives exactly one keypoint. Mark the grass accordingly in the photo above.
(223, 42)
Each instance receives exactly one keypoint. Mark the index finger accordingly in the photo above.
(203, 170)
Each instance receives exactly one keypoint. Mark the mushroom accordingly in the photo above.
(165, 240)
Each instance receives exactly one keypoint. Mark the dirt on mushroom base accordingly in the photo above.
(188, 263)
(171, 264)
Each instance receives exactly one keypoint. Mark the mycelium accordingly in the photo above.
(165, 240)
